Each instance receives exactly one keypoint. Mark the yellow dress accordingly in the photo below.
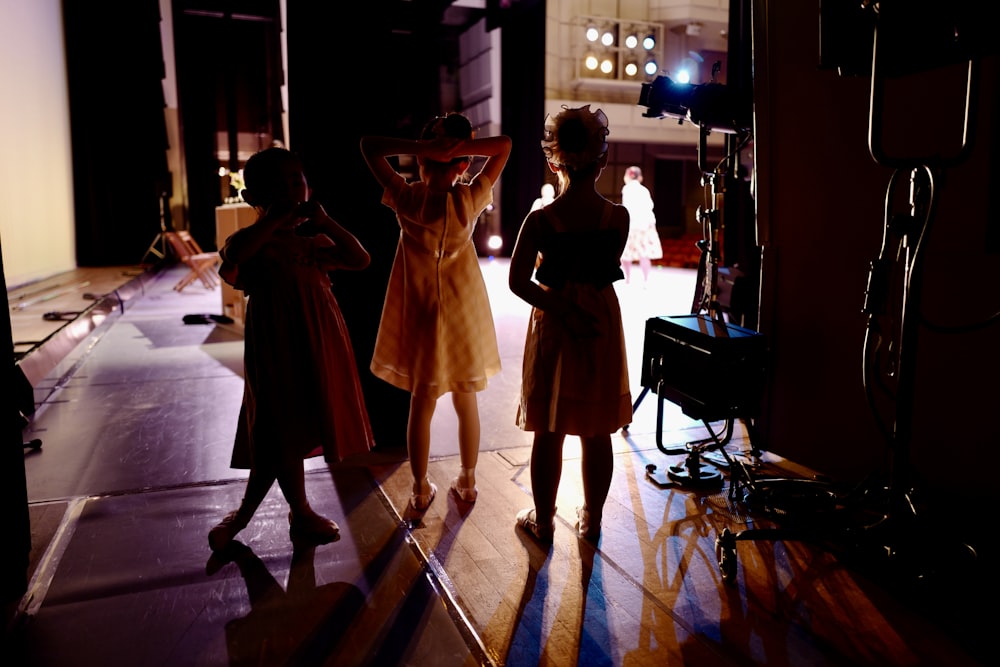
(436, 334)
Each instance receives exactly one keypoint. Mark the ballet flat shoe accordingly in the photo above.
(527, 522)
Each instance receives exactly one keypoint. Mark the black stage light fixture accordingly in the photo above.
(711, 106)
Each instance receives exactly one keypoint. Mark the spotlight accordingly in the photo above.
(649, 42)
(632, 40)
(711, 106)
(592, 33)
(651, 67)
(590, 62)
(495, 242)
(683, 76)
(607, 66)
(631, 68)
(607, 38)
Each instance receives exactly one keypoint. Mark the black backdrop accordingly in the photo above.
(115, 70)
(229, 76)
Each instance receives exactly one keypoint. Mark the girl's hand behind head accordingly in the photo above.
(443, 149)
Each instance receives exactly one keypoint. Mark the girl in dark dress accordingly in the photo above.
(302, 395)
(575, 374)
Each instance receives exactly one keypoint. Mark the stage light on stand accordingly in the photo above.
(712, 106)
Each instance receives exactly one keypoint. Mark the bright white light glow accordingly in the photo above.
(607, 66)
(495, 242)
(592, 34)
(632, 41)
(649, 43)
(651, 67)
(631, 69)
(590, 63)
(683, 76)
(608, 38)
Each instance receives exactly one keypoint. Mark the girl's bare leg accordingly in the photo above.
(546, 471)
(467, 409)
(292, 480)
(258, 484)
(646, 264)
(304, 520)
(418, 439)
(597, 463)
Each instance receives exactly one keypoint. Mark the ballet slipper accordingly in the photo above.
(527, 521)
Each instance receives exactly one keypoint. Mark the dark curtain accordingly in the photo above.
(522, 116)
(229, 76)
(115, 71)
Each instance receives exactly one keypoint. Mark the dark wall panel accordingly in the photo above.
(822, 202)
(522, 114)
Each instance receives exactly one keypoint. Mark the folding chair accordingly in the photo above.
(203, 265)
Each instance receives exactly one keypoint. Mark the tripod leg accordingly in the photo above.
(635, 406)
(160, 252)
(160, 238)
(642, 395)
(699, 300)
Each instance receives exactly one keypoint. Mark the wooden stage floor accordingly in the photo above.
(137, 420)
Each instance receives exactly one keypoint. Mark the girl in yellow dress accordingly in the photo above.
(436, 334)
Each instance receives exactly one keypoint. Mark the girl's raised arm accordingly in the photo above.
(495, 149)
(376, 151)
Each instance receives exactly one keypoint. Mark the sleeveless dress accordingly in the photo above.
(302, 393)
(436, 334)
(576, 386)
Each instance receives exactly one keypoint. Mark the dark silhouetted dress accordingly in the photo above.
(302, 395)
(576, 386)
